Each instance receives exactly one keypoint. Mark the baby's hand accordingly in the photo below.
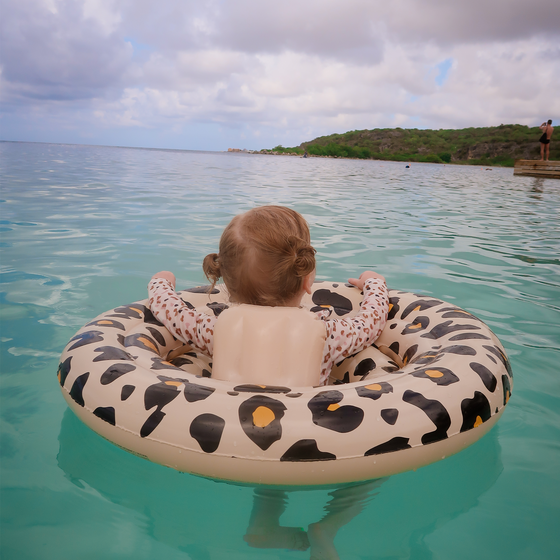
(166, 275)
(359, 282)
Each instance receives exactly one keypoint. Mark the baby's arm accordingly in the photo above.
(348, 336)
(183, 323)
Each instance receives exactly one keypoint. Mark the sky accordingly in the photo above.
(219, 74)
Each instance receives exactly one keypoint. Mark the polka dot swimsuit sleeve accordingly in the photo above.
(185, 324)
(348, 336)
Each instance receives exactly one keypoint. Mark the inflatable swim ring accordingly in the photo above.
(435, 382)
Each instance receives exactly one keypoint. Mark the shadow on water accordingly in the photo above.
(388, 519)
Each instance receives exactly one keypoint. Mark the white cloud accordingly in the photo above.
(268, 70)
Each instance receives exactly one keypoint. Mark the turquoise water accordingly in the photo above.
(84, 228)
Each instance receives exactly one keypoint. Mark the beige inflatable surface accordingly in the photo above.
(435, 381)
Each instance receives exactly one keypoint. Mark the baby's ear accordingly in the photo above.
(308, 282)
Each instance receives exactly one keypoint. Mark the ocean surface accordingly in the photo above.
(84, 228)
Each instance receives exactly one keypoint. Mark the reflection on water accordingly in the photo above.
(537, 188)
(344, 504)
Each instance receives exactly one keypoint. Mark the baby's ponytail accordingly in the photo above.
(211, 268)
(303, 257)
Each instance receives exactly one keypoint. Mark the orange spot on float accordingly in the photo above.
(374, 387)
(333, 407)
(174, 383)
(263, 416)
(148, 343)
(434, 373)
(478, 422)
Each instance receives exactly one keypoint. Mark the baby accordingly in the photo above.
(265, 258)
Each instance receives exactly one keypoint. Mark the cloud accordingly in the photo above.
(56, 50)
(274, 71)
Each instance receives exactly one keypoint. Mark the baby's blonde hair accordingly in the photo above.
(264, 256)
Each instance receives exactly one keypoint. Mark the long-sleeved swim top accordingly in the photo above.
(344, 337)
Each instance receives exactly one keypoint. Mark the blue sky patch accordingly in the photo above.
(443, 68)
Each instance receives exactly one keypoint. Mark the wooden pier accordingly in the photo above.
(536, 168)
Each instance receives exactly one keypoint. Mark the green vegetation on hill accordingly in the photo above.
(496, 145)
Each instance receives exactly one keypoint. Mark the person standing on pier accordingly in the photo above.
(547, 129)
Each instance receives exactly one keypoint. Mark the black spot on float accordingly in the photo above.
(260, 417)
(327, 413)
(418, 324)
(85, 338)
(459, 349)
(158, 395)
(390, 415)
(502, 357)
(486, 375)
(139, 340)
(152, 423)
(448, 327)
(469, 336)
(345, 379)
(233, 393)
(391, 368)
(110, 353)
(375, 390)
(132, 311)
(326, 298)
(77, 388)
(157, 335)
(438, 375)
(409, 354)
(435, 411)
(261, 389)
(107, 323)
(202, 290)
(217, 307)
(106, 413)
(180, 361)
(188, 304)
(207, 429)
(475, 411)
(393, 307)
(457, 313)
(426, 358)
(64, 370)
(506, 385)
(149, 318)
(363, 368)
(115, 371)
(306, 450)
(395, 444)
(419, 305)
(206, 373)
(126, 391)
(194, 392)
(159, 364)
(294, 395)
(395, 347)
